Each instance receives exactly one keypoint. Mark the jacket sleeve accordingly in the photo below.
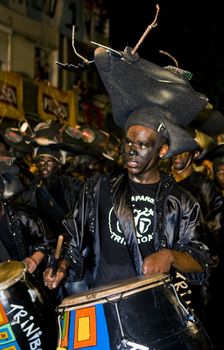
(212, 207)
(192, 237)
(78, 225)
(33, 229)
(73, 244)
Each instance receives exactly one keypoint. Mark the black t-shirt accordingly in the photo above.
(143, 198)
(116, 263)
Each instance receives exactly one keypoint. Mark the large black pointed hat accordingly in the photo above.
(135, 84)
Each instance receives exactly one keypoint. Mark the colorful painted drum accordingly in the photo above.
(137, 314)
(27, 319)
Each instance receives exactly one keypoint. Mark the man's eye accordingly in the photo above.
(139, 145)
(128, 142)
(144, 145)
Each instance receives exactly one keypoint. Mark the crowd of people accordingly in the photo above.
(137, 220)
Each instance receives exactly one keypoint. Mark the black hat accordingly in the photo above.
(205, 143)
(217, 162)
(134, 83)
(9, 181)
(14, 140)
(217, 156)
(210, 121)
(50, 151)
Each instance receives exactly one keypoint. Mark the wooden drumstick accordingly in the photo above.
(57, 254)
(58, 247)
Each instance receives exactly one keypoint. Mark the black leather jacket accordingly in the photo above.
(176, 223)
(51, 211)
(212, 206)
(24, 232)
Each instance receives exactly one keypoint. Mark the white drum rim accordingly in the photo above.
(112, 292)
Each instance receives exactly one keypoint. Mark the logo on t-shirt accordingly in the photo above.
(143, 217)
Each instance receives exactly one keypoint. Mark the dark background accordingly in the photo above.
(191, 31)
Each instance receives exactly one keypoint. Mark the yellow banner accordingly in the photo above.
(57, 105)
(11, 95)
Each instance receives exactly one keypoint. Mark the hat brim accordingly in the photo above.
(209, 121)
(217, 152)
(179, 139)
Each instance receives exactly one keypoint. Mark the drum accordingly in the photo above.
(27, 319)
(136, 314)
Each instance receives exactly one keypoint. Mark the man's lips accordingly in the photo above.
(132, 163)
(177, 161)
(44, 172)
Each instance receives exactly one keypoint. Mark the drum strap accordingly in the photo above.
(121, 200)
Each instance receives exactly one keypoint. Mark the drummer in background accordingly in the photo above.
(51, 195)
(218, 171)
(186, 174)
(138, 221)
(20, 230)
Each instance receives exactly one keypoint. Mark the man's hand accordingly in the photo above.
(33, 261)
(159, 262)
(31, 264)
(53, 281)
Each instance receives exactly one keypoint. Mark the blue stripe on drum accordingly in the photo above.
(71, 331)
(102, 332)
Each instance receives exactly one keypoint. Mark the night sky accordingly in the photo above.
(192, 31)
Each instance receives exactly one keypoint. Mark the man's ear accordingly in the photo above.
(163, 150)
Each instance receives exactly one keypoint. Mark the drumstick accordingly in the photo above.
(58, 247)
(57, 254)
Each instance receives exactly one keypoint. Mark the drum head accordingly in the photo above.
(10, 273)
(113, 291)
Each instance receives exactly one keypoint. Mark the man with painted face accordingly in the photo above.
(211, 203)
(203, 189)
(138, 221)
(52, 195)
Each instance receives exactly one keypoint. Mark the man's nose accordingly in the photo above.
(133, 151)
